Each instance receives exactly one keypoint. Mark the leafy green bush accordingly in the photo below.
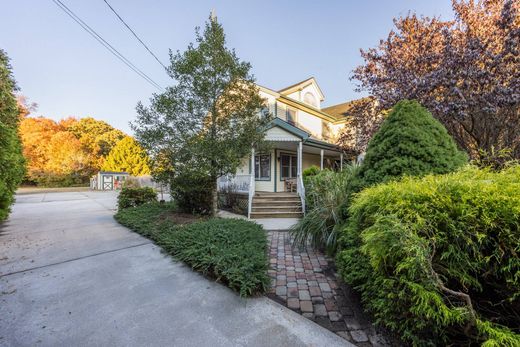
(325, 193)
(192, 192)
(232, 251)
(437, 259)
(311, 171)
(12, 167)
(132, 197)
(12, 162)
(409, 142)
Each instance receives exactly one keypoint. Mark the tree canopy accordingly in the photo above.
(208, 121)
(68, 151)
(465, 71)
(127, 156)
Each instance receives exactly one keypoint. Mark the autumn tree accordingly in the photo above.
(12, 164)
(209, 120)
(465, 71)
(36, 133)
(84, 145)
(66, 159)
(127, 156)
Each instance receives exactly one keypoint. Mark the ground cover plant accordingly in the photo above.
(232, 251)
(436, 259)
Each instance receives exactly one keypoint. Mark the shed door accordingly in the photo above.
(108, 182)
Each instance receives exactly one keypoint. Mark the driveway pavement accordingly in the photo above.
(71, 276)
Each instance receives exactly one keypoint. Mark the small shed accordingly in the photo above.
(108, 180)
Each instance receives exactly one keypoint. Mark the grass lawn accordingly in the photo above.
(232, 251)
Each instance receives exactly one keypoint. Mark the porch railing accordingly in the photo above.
(238, 183)
(251, 195)
(300, 189)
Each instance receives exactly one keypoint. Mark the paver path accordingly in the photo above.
(303, 280)
(71, 276)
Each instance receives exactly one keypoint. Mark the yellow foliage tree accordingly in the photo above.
(128, 156)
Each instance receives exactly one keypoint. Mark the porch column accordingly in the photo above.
(252, 162)
(341, 162)
(300, 158)
(321, 161)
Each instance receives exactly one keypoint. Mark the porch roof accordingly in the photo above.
(303, 135)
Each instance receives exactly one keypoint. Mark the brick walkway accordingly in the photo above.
(304, 281)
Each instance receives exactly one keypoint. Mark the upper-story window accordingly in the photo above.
(291, 115)
(310, 99)
(325, 130)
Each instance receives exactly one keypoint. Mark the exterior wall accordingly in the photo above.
(264, 185)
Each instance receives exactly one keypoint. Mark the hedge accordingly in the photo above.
(437, 259)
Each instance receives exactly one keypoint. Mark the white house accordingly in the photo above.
(302, 134)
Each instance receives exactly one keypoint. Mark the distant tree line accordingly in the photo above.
(69, 151)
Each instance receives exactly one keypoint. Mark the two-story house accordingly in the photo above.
(301, 135)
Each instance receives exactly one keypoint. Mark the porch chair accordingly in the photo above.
(290, 185)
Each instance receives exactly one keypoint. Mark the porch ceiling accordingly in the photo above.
(293, 147)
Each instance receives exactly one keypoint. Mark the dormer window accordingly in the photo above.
(310, 99)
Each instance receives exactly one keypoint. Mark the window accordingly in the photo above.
(309, 98)
(325, 130)
(291, 115)
(289, 166)
(263, 167)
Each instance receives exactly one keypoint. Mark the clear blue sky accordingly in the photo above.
(67, 73)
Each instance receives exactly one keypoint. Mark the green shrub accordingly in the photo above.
(192, 192)
(419, 248)
(12, 166)
(12, 162)
(311, 171)
(232, 251)
(325, 193)
(132, 197)
(409, 142)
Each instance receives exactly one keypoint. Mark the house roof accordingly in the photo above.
(345, 109)
(305, 136)
(301, 85)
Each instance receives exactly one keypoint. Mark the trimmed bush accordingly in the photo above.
(132, 197)
(12, 162)
(230, 250)
(437, 259)
(192, 192)
(409, 142)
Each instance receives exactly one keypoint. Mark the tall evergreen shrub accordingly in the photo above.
(12, 163)
(410, 142)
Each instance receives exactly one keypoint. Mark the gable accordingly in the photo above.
(278, 134)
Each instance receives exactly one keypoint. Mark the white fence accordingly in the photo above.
(238, 183)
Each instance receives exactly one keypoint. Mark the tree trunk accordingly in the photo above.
(214, 198)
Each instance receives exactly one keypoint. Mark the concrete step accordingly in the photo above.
(262, 215)
(266, 209)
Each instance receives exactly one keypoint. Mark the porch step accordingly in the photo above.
(273, 203)
(287, 200)
(261, 215)
(266, 209)
(276, 205)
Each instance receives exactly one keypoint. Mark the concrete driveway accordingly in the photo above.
(71, 276)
